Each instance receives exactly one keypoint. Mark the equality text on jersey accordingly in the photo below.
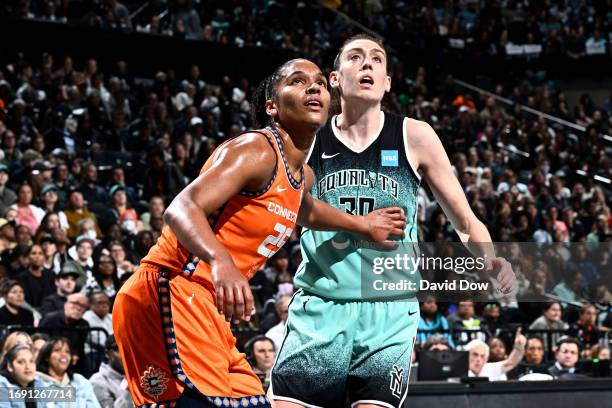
(358, 178)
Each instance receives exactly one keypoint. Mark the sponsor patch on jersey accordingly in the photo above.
(389, 158)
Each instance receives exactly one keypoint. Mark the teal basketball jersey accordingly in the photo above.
(378, 176)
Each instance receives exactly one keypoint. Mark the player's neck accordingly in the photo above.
(359, 122)
(296, 145)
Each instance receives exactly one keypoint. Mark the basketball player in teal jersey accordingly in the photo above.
(338, 346)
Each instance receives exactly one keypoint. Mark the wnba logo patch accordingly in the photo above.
(389, 158)
(153, 381)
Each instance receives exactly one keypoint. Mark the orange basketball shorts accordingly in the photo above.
(171, 337)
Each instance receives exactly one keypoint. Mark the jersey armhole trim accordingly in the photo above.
(264, 190)
(406, 150)
(311, 149)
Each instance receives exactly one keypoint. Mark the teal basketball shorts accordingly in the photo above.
(336, 352)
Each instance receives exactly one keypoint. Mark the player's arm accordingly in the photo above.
(378, 225)
(431, 160)
(246, 163)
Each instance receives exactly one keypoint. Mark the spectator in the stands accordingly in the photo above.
(571, 288)
(550, 318)
(567, 354)
(118, 178)
(185, 20)
(437, 342)
(277, 332)
(586, 267)
(432, 320)
(479, 355)
(493, 318)
(94, 194)
(50, 222)
(585, 329)
(54, 368)
(534, 361)
(28, 214)
(37, 281)
(277, 264)
(497, 349)
(70, 323)
(50, 204)
(120, 13)
(118, 253)
(142, 243)
(120, 211)
(17, 260)
(23, 236)
(7, 196)
(81, 254)
(98, 317)
(109, 383)
(17, 337)
(261, 354)
(7, 234)
(162, 178)
(18, 370)
(49, 250)
(76, 212)
(466, 323)
(156, 209)
(38, 342)
(13, 312)
(65, 282)
(599, 352)
(61, 254)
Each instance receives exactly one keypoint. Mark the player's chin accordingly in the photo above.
(316, 119)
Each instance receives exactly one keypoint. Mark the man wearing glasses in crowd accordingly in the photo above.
(70, 323)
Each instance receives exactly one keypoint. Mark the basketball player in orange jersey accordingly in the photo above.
(171, 317)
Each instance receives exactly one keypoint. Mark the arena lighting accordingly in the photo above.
(602, 179)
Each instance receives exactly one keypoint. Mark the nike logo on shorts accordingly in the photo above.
(411, 313)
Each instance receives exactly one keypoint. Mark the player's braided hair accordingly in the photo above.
(266, 91)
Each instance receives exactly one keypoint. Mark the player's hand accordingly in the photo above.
(384, 224)
(519, 339)
(505, 275)
(234, 297)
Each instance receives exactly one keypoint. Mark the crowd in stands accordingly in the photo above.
(89, 160)
(554, 28)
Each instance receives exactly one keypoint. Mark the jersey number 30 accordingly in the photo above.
(277, 240)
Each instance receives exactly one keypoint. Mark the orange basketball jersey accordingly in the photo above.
(252, 226)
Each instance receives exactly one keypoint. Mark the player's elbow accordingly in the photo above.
(172, 213)
(169, 215)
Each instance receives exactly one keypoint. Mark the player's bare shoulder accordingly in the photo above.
(249, 156)
(421, 140)
(251, 147)
(419, 133)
